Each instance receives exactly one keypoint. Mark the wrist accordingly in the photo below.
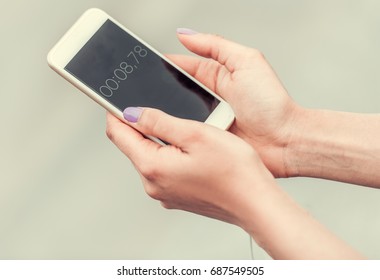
(252, 213)
(313, 146)
(284, 163)
(333, 145)
(297, 141)
(286, 231)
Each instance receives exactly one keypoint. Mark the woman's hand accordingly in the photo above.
(291, 141)
(265, 114)
(214, 173)
(205, 171)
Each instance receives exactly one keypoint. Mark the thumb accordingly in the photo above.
(153, 122)
(226, 52)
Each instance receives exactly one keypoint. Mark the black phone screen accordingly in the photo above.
(127, 73)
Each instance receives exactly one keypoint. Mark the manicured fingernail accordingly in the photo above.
(132, 114)
(186, 31)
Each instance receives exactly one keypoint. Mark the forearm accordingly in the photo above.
(286, 231)
(335, 145)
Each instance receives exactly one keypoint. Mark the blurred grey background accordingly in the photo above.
(67, 193)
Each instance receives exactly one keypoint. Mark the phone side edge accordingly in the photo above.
(222, 116)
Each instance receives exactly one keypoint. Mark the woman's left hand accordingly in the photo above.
(205, 170)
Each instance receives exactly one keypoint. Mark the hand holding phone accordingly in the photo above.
(118, 70)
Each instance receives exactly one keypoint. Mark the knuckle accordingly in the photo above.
(166, 205)
(195, 134)
(152, 122)
(150, 171)
(152, 191)
(256, 54)
(156, 127)
(110, 133)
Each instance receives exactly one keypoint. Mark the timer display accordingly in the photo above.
(121, 73)
(125, 72)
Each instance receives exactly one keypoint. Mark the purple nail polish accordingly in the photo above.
(186, 31)
(132, 114)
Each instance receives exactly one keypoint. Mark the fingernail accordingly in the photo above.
(186, 31)
(132, 114)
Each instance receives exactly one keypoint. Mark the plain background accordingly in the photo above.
(67, 193)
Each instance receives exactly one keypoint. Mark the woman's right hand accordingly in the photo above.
(265, 114)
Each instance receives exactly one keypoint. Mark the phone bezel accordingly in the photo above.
(79, 34)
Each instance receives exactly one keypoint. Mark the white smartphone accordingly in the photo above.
(117, 69)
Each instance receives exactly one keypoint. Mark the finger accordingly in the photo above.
(204, 70)
(188, 63)
(227, 53)
(129, 140)
(158, 124)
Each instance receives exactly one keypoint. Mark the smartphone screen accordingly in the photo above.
(125, 72)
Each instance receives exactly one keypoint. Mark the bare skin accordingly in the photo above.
(271, 137)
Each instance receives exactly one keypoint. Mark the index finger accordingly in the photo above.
(206, 71)
(226, 52)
